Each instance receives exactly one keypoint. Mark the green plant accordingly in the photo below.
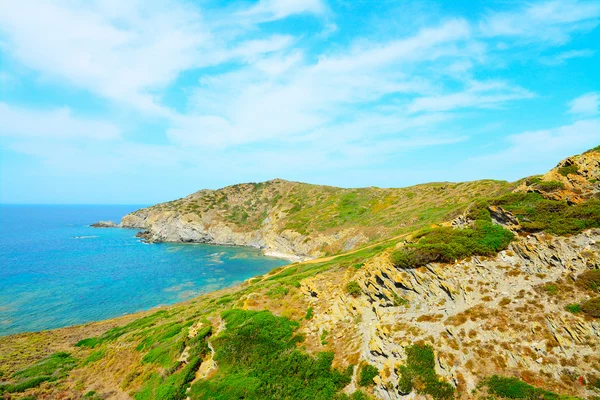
(399, 301)
(513, 388)
(569, 169)
(448, 245)
(419, 373)
(549, 186)
(551, 288)
(589, 279)
(366, 374)
(353, 289)
(573, 308)
(309, 313)
(592, 307)
(51, 368)
(324, 337)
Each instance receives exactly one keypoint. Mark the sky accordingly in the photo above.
(137, 102)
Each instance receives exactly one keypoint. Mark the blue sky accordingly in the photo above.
(138, 102)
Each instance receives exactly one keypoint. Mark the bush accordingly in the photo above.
(592, 307)
(419, 373)
(535, 213)
(573, 308)
(549, 186)
(448, 244)
(309, 313)
(513, 388)
(353, 289)
(569, 169)
(589, 279)
(366, 375)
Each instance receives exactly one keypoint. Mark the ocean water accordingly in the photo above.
(57, 271)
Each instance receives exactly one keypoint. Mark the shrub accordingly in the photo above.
(549, 186)
(569, 169)
(353, 289)
(366, 375)
(589, 279)
(309, 313)
(592, 307)
(448, 244)
(573, 308)
(551, 288)
(419, 373)
(514, 388)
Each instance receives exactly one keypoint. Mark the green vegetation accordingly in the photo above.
(551, 288)
(419, 374)
(592, 307)
(324, 337)
(513, 388)
(117, 332)
(49, 369)
(549, 186)
(258, 359)
(366, 375)
(535, 213)
(568, 170)
(589, 279)
(573, 308)
(353, 289)
(309, 313)
(448, 244)
(176, 377)
(399, 301)
(94, 356)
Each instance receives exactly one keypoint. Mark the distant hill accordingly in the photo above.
(304, 220)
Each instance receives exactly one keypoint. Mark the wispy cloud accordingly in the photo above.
(59, 124)
(552, 22)
(586, 104)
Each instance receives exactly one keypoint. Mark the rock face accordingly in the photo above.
(483, 316)
(578, 176)
(105, 224)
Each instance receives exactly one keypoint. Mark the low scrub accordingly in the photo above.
(536, 213)
(589, 279)
(353, 289)
(513, 388)
(448, 244)
(258, 359)
(592, 307)
(51, 368)
(366, 375)
(419, 374)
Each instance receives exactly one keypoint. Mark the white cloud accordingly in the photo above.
(479, 95)
(587, 104)
(126, 52)
(564, 56)
(543, 146)
(552, 22)
(269, 10)
(60, 123)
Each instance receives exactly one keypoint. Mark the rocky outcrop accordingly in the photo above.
(105, 224)
(578, 179)
(483, 316)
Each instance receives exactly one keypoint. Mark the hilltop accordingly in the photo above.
(304, 221)
(493, 295)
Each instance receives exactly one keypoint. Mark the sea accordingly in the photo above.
(56, 270)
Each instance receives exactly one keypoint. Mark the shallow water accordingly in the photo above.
(57, 271)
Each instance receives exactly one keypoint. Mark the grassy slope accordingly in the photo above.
(313, 209)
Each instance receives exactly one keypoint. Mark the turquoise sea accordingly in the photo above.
(57, 271)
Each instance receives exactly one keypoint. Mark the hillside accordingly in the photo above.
(495, 294)
(305, 221)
